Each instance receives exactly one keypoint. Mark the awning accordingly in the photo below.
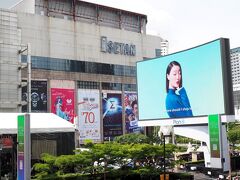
(39, 123)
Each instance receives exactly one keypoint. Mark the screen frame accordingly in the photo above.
(226, 78)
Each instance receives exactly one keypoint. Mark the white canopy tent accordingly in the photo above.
(39, 123)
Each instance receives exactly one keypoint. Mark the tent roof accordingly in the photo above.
(39, 123)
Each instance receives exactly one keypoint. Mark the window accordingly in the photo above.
(87, 85)
(111, 86)
(158, 52)
(68, 65)
(129, 87)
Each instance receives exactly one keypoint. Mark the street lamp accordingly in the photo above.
(164, 154)
(166, 132)
(1, 146)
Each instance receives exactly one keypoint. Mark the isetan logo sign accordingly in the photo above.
(117, 47)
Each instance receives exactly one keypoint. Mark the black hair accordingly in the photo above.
(133, 103)
(171, 64)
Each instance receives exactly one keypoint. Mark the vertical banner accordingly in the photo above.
(112, 115)
(214, 135)
(89, 115)
(24, 148)
(20, 156)
(38, 96)
(131, 112)
(62, 99)
(63, 103)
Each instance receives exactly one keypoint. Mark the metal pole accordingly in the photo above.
(229, 153)
(27, 148)
(0, 159)
(1, 146)
(164, 156)
(29, 77)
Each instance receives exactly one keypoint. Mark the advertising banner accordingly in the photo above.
(24, 147)
(131, 112)
(190, 83)
(62, 103)
(20, 140)
(214, 134)
(112, 115)
(89, 115)
(38, 96)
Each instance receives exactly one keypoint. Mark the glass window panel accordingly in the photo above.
(80, 66)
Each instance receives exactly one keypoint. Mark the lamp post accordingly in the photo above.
(164, 154)
(1, 146)
(164, 158)
(166, 132)
(29, 64)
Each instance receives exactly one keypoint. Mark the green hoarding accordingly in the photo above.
(214, 133)
(20, 135)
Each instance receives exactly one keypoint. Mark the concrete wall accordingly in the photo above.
(10, 76)
(61, 38)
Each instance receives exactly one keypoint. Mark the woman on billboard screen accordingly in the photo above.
(177, 102)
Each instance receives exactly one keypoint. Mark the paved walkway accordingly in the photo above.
(197, 175)
(200, 176)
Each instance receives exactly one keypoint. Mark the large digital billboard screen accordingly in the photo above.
(190, 83)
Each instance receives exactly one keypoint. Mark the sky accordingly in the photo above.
(184, 23)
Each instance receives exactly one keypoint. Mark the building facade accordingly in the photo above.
(235, 63)
(164, 48)
(83, 63)
(10, 73)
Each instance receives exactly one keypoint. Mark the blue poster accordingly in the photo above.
(112, 115)
(131, 112)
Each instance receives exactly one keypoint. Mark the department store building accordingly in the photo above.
(83, 62)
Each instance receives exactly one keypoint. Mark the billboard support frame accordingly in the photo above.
(201, 132)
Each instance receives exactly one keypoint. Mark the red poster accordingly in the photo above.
(63, 103)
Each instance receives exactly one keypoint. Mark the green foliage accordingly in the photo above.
(234, 136)
(88, 143)
(46, 168)
(142, 171)
(233, 126)
(132, 138)
(185, 140)
(112, 158)
(145, 154)
(42, 170)
(181, 149)
(73, 176)
(47, 158)
(39, 167)
(234, 133)
(65, 163)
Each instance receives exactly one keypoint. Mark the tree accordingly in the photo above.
(234, 133)
(46, 167)
(132, 138)
(112, 159)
